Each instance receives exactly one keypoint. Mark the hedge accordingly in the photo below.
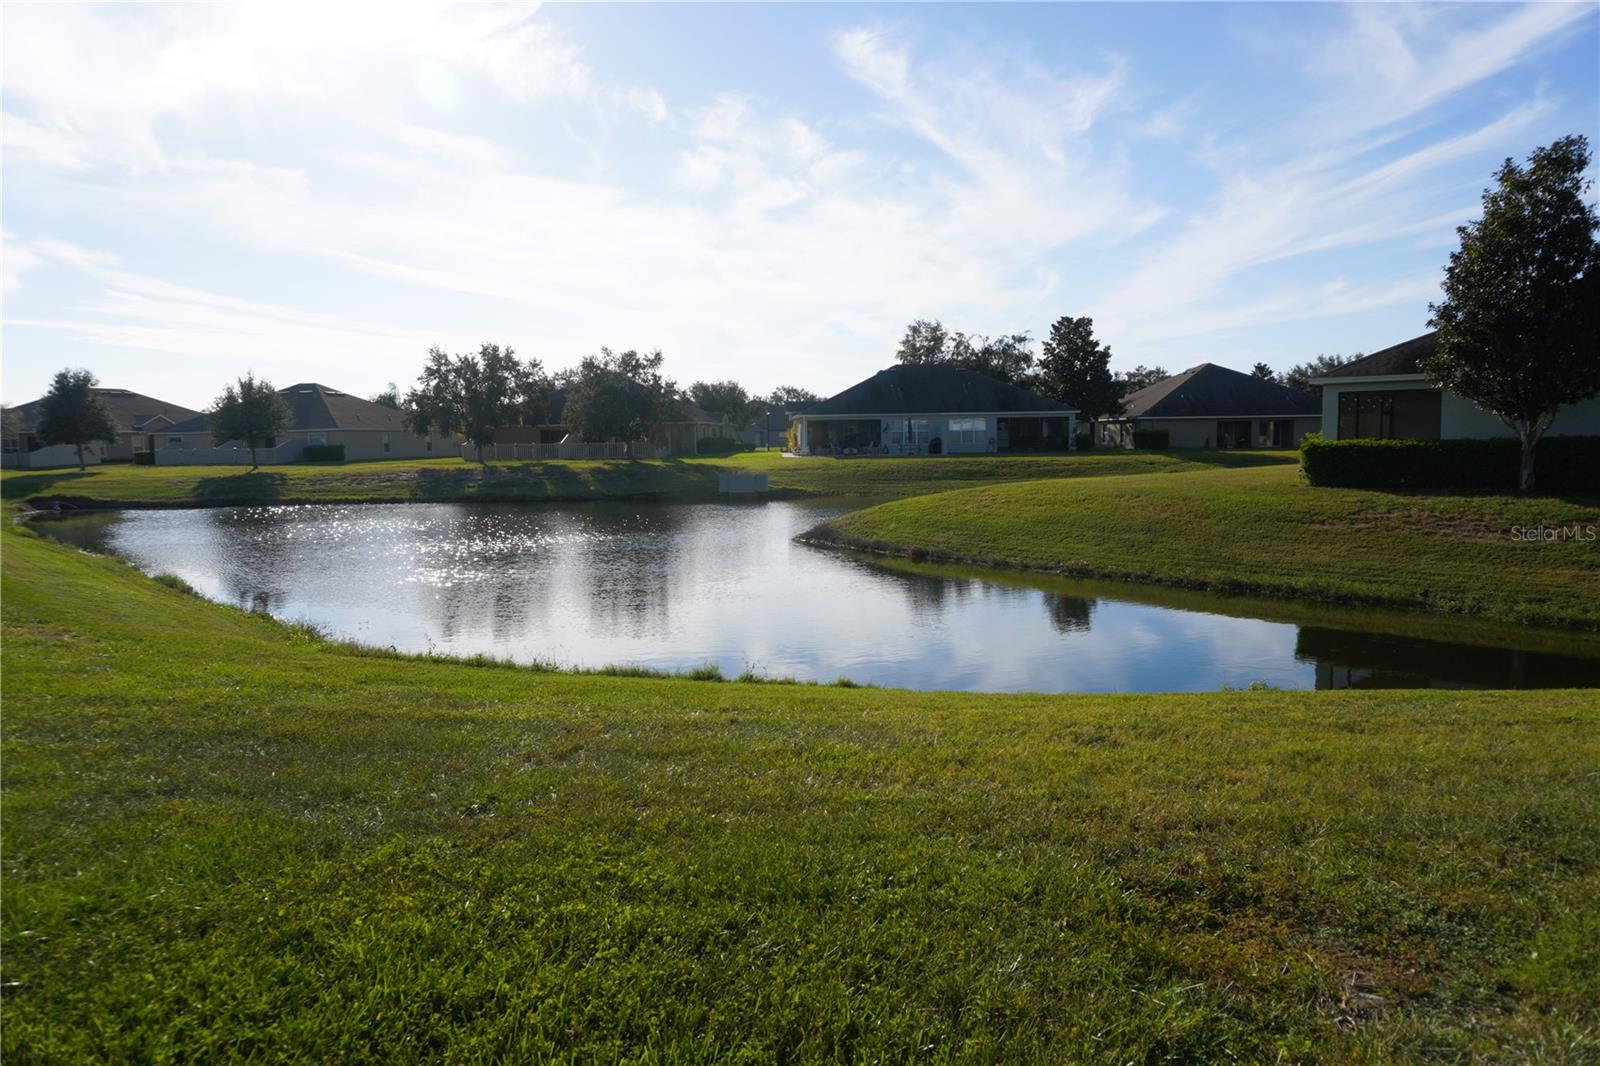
(1156, 439)
(144, 458)
(323, 453)
(717, 446)
(1561, 463)
(1084, 442)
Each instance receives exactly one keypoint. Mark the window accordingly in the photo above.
(969, 431)
(315, 438)
(174, 440)
(1395, 414)
(386, 444)
(429, 445)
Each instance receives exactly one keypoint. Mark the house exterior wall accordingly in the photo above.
(1196, 432)
(964, 441)
(1458, 416)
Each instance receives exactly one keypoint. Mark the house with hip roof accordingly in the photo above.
(933, 409)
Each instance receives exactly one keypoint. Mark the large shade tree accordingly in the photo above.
(1140, 377)
(250, 410)
(726, 398)
(617, 396)
(792, 397)
(73, 413)
(1519, 325)
(477, 395)
(1076, 369)
(1300, 375)
(1007, 358)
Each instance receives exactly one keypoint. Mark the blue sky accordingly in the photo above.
(769, 193)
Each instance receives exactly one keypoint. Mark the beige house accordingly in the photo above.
(138, 418)
(1211, 406)
(366, 430)
(1385, 395)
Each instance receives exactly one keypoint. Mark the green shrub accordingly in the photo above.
(1084, 442)
(717, 446)
(1561, 463)
(1154, 439)
(323, 453)
(144, 458)
(173, 581)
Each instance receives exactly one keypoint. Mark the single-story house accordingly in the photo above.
(685, 426)
(138, 419)
(320, 416)
(1385, 395)
(1210, 406)
(933, 409)
(769, 428)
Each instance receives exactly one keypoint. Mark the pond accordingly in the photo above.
(678, 586)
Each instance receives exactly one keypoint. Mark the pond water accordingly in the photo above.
(677, 586)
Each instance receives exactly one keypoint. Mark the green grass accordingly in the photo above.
(1261, 531)
(452, 479)
(225, 838)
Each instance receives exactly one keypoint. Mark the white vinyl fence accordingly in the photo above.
(53, 455)
(228, 454)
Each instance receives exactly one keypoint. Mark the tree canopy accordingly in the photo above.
(726, 398)
(1299, 376)
(1519, 325)
(1076, 369)
(251, 411)
(475, 395)
(1264, 372)
(792, 397)
(1140, 377)
(389, 397)
(73, 413)
(1007, 358)
(617, 395)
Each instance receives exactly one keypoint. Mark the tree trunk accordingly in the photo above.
(81, 464)
(1530, 446)
(478, 446)
(253, 464)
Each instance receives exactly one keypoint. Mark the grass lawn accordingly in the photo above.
(1260, 530)
(453, 479)
(227, 839)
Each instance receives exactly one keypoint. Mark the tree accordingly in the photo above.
(389, 397)
(1264, 372)
(1519, 325)
(73, 413)
(1140, 377)
(925, 342)
(1076, 369)
(1299, 376)
(251, 411)
(1007, 358)
(726, 398)
(475, 395)
(10, 427)
(617, 396)
(792, 397)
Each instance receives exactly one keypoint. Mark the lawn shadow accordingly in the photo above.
(24, 486)
(256, 485)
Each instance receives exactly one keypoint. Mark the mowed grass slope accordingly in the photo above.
(452, 479)
(226, 839)
(1262, 531)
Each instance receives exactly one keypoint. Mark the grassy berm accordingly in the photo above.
(1264, 532)
(227, 839)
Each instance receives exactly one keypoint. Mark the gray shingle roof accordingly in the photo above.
(931, 389)
(1403, 358)
(317, 407)
(1210, 390)
(129, 410)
